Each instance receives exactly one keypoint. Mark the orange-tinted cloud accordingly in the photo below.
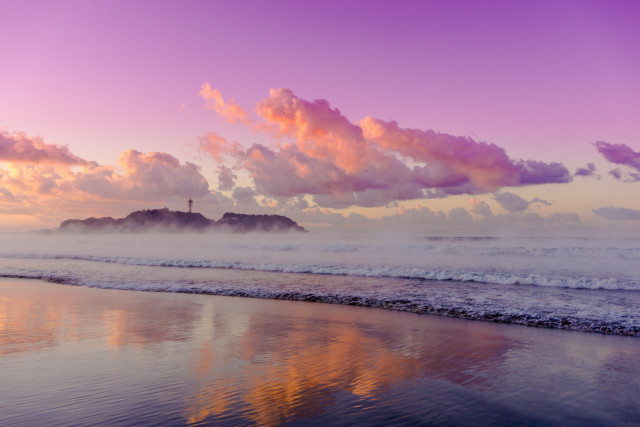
(486, 165)
(18, 147)
(230, 111)
(215, 146)
(373, 163)
(53, 187)
(147, 176)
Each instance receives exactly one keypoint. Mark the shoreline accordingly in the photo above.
(79, 355)
(400, 305)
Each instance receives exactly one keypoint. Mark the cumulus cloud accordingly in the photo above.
(540, 201)
(618, 214)
(633, 177)
(616, 173)
(535, 172)
(6, 195)
(621, 154)
(147, 176)
(460, 216)
(514, 203)
(457, 220)
(485, 165)
(373, 163)
(226, 178)
(230, 111)
(511, 202)
(244, 196)
(18, 147)
(56, 182)
(588, 171)
(216, 146)
(481, 208)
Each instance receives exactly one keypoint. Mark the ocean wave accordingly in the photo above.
(455, 249)
(500, 277)
(540, 320)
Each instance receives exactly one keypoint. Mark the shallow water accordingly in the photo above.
(579, 284)
(78, 356)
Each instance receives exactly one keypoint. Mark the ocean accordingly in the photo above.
(80, 348)
(585, 284)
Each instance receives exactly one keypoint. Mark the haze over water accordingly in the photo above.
(582, 284)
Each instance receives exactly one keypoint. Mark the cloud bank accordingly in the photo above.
(319, 152)
(47, 179)
(315, 160)
(231, 111)
(618, 214)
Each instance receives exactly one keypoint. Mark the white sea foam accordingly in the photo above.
(590, 284)
(505, 277)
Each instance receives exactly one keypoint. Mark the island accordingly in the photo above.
(168, 221)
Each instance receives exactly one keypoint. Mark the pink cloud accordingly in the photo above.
(230, 111)
(18, 147)
(215, 146)
(147, 176)
(621, 154)
(51, 189)
(486, 165)
(6, 195)
(25, 178)
(373, 163)
(321, 132)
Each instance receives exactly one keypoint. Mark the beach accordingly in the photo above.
(331, 213)
(579, 284)
(73, 355)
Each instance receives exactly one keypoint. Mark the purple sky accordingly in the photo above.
(543, 81)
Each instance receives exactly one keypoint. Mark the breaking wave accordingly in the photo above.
(518, 251)
(464, 275)
(579, 284)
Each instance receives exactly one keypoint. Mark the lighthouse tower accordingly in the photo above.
(190, 204)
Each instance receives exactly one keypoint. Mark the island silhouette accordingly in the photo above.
(168, 221)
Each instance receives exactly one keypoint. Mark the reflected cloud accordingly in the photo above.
(205, 359)
(294, 366)
(37, 317)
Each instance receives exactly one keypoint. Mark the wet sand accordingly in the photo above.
(80, 356)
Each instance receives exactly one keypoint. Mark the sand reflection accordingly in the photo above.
(64, 358)
(37, 317)
(292, 366)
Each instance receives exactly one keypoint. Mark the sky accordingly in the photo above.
(445, 117)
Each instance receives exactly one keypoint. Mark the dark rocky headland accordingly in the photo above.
(167, 221)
